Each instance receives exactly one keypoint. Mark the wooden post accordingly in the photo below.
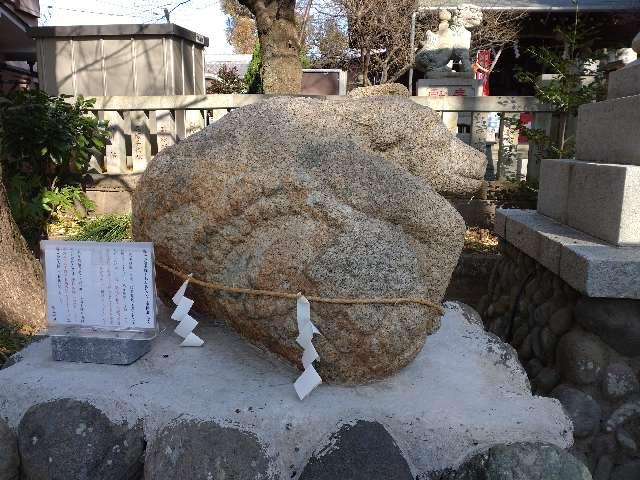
(115, 160)
(140, 141)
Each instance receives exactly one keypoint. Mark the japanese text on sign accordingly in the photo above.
(96, 284)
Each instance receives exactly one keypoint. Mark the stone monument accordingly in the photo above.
(335, 197)
(450, 43)
(440, 49)
(567, 292)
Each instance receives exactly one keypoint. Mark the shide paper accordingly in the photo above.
(187, 322)
(309, 378)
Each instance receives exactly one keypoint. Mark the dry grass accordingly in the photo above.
(480, 240)
(11, 341)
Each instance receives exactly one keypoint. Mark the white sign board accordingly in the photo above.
(99, 284)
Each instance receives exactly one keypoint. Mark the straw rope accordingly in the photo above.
(293, 296)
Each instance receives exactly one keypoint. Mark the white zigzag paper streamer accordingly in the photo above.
(309, 379)
(187, 322)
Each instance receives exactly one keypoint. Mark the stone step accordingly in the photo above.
(599, 199)
(608, 131)
(587, 264)
(625, 82)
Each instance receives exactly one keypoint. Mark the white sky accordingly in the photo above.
(201, 16)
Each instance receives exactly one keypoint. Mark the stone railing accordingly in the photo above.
(141, 126)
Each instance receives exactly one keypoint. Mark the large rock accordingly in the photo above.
(195, 449)
(328, 197)
(73, 439)
(522, 461)
(9, 457)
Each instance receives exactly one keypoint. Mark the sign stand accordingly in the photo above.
(100, 300)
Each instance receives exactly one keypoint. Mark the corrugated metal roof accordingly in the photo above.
(585, 5)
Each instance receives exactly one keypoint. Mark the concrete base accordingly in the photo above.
(608, 131)
(602, 200)
(584, 262)
(463, 393)
(625, 82)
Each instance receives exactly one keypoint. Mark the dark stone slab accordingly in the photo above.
(112, 351)
(364, 451)
(70, 439)
(522, 461)
(204, 450)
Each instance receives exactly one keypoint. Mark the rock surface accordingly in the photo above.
(523, 461)
(463, 393)
(378, 90)
(73, 439)
(363, 451)
(206, 450)
(9, 457)
(327, 197)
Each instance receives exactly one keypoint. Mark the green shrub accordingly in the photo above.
(253, 77)
(46, 144)
(106, 228)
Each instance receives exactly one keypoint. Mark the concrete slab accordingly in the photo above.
(607, 132)
(587, 264)
(464, 392)
(602, 200)
(625, 82)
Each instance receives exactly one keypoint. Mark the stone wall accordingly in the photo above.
(583, 351)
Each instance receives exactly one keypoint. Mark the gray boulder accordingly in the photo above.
(363, 451)
(581, 357)
(619, 380)
(334, 198)
(584, 411)
(615, 321)
(9, 457)
(206, 450)
(522, 461)
(70, 439)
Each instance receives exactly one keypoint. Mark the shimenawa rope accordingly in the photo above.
(293, 296)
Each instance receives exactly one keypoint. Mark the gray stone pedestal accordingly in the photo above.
(229, 410)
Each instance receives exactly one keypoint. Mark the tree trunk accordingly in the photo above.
(281, 63)
(21, 285)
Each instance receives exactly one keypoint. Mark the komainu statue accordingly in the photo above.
(451, 43)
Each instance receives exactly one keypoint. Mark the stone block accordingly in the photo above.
(464, 392)
(608, 131)
(602, 200)
(112, 351)
(587, 264)
(625, 82)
